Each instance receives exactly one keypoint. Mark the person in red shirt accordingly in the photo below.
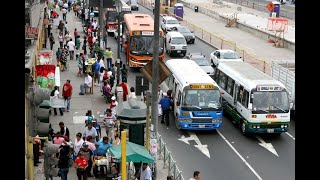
(67, 93)
(90, 40)
(81, 163)
(124, 90)
(75, 33)
(54, 14)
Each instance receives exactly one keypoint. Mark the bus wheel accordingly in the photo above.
(177, 123)
(243, 128)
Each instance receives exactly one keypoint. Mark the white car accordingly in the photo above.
(223, 55)
(168, 23)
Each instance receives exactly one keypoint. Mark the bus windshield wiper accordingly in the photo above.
(196, 106)
(263, 110)
(278, 108)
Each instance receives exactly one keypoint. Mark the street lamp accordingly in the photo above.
(118, 5)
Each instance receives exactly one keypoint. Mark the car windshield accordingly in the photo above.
(178, 40)
(275, 101)
(143, 45)
(201, 98)
(201, 62)
(172, 22)
(229, 55)
(112, 16)
(184, 30)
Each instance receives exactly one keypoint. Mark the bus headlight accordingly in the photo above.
(218, 120)
(285, 125)
(254, 126)
(133, 59)
(184, 47)
(258, 126)
(282, 126)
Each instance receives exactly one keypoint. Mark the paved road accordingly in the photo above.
(232, 156)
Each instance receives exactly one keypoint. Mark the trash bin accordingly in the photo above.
(276, 8)
(178, 10)
(196, 9)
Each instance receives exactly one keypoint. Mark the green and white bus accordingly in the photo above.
(255, 101)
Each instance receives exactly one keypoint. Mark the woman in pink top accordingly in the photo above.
(58, 139)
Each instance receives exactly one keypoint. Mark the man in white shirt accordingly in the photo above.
(196, 176)
(145, 172)
(71, 46)
(65, 5)
(87, 83)
(90, 131)
(64, 14)
(95, 24)
(67, 37)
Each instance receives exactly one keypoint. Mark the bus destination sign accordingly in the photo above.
(201, 86)
(269, 88)
(147, 33)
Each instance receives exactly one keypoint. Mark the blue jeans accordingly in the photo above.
(68, 102)
(109, 63)
(82, 86)
(64, 173)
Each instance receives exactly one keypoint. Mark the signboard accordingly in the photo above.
(31, 33)
(45, 76)
(106, 3)
(201, 86)
(270, 6)
(147, 33)
(269, 88)
(164, 71)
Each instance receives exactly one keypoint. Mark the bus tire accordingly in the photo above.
(177, 123)
(243, 128)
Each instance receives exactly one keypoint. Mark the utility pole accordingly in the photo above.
(100, 22)
(155, 70)
(148, 103)
(119, 8)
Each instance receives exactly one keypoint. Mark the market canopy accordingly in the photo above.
(135, 153)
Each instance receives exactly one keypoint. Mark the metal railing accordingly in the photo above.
(219, 42)
(168, 161)
(262, 7)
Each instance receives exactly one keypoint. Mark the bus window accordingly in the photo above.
(222, 80)
(179, 99)
(201, 98)
(230, 86)
(216, 75)
(240, 94)
(245, 98)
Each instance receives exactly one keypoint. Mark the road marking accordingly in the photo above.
(202, 147)
(290, 136)
(268, 146)
(234, 149)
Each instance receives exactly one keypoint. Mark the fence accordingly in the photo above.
(262, 7)
(219, 42)
(168, 161)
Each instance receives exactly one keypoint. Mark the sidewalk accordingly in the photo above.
(260, 53)
(79, 103)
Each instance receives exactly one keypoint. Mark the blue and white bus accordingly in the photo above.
(196, 96)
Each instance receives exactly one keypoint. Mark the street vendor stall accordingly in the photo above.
(88, 63)
(44, 57)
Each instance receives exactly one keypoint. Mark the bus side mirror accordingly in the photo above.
(291, 105)
(250, 106)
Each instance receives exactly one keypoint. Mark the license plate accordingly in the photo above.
(270, 130)
(178, 51)
(202, 126)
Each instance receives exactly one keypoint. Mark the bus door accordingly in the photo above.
(235, 96)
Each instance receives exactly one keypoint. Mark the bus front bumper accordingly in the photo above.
(266, 130)
(200, 126)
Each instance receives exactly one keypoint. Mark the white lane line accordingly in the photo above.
(234, 149)
(290, 136)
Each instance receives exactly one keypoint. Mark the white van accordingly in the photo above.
(175, 43)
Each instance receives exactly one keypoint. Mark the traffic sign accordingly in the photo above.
(270, 6)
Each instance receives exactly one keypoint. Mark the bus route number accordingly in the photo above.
(201, 86)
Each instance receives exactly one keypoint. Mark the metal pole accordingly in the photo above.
(148, 96)
(123, 155)
(118, 54)
(100, 22)
(155, 68)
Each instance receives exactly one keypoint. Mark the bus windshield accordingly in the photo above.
(112, 16)
(143, 45)
(271, 102)
(201, 99)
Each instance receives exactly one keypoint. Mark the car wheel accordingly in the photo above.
(243, 128)
(177, 123)
(193, 41)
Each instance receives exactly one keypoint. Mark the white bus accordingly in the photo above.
(196, 97)
(255, 101)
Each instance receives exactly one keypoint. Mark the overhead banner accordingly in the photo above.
(45, 76)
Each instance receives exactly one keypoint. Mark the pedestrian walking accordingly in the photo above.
(81, 164)
(97, 126)
(124, 73)
(71, 45)
(66, 28)
(78, 42)
(145, 172)
(109, 120)
(67, 93)
(55, 94)
(77, 144)
(63, 163)
(113, 105)
(90, 131)
(96, 73)
(80, 64)
(63, 59)
(124, 90)
(67, 37)
(61, 39)
(61, 27)
(84, 46)
(165, 103)
(75, 33)
(108, 55)
(58, 56)
(52, 41)
(64, 14)
(196, 175)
